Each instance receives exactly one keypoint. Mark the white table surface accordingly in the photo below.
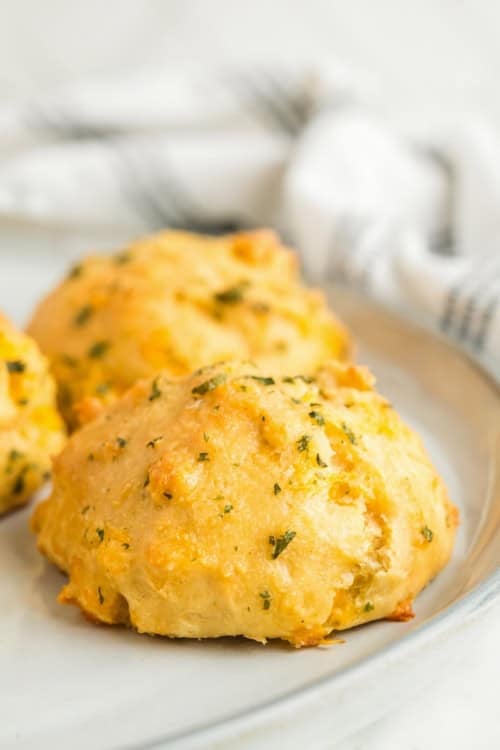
(427, 59)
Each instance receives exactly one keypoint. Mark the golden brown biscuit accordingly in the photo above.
(31, 430)
(233, 502)
(177, 301)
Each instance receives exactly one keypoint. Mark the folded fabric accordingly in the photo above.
(411, 220)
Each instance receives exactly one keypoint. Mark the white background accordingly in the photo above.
(424, 59)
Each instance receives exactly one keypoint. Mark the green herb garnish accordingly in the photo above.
(266, 599)
(152, 443)
(98, 349)
(320, 461)
(101, 597)
(228, 508)
(350, 434)
(203, 456)
(261, 379)
(427, 533)
(303, 443)
(18, 486)
(75, 272)
(83, 315)
(209, 385)
(155, 391)
(122, 258)
(293, 378)
(276, 488)
(231, 296)
(168, 495)
(368, 607)
(319, 418)
(121, 442)
(280, 543)
(68, 360)
(15, 365)
(100, 534)
(125, 545)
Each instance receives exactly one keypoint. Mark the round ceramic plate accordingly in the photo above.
(67, 683)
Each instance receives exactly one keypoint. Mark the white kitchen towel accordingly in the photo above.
(413, 220)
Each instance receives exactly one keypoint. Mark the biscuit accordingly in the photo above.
(177, 301)
(235, 502)
(31, 429)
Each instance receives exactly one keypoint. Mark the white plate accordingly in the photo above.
(67, 683)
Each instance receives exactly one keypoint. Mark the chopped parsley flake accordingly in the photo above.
(125, 545)
(320, 461)
(168, 495)
(121, 442)
(350, 434)
(122, 258)
(319, 418)
(209, 385)
(368, 607)
(85, 510)
(280, 543)
(83, 315)
(206, 437)
(266, 599)
(261, 379)
(203, 456)
(14, 455)
(18, 486)
(427, 533)
(231, 296)
(100, 534)
(276, 488)
(68, 360)
(152, 443)
(146, 481)
(228, 508)
(155, 391)
(98, 349)
(303, 443)
(292, 379)
(15, 365)
(75, 272)
(101, 597)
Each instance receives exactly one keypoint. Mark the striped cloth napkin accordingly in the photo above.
(412, 219)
